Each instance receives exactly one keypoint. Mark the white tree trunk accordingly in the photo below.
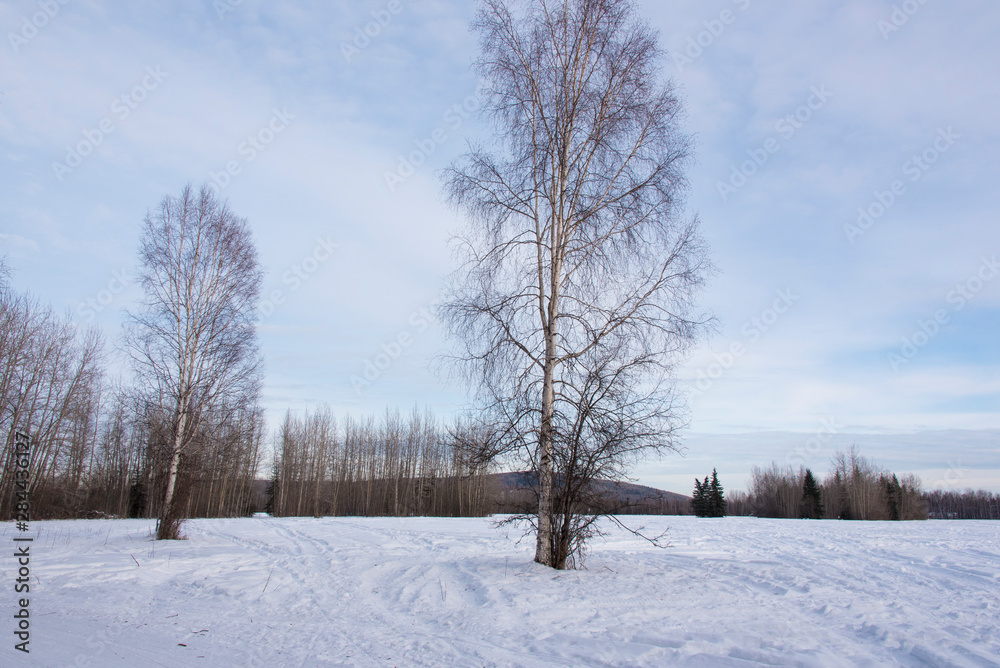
(164, 530)
(543, 545)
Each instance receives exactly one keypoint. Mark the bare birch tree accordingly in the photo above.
(574, 295)
(193, 338)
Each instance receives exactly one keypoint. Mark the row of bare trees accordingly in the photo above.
(50, 387)
(130, 463)
(967, 505)
(739, 503)
(392, 466)
(856, 488)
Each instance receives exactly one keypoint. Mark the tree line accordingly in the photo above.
(856, 489)
(392, 466)
(965, 505)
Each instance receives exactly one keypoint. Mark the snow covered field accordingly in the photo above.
(457, 592)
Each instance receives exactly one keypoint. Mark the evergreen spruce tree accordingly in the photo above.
(273, 487)
(698, 498)
(716, 499)
(137, 499)
(893, 494)
(706, 498)
(812, 499)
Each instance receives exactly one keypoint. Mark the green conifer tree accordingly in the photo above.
(893, 494)
(698, 499)
(812, 499)
(272, 494)
(706, 498)
(716, 497)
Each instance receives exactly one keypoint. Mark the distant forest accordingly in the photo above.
(967, 505)
(856, 489)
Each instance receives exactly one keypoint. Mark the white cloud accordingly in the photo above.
(17, 241)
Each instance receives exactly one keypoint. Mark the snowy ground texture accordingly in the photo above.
(458, 592)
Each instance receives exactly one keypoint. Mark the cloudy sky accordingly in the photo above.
(846, 180)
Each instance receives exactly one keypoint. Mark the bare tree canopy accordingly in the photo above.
(193, 337)
(573, 299)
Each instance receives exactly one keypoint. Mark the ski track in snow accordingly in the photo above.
(460, 592)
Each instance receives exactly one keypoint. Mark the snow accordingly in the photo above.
(460, 592)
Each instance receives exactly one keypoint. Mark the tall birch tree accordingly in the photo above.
(193, 336)
(573, 300)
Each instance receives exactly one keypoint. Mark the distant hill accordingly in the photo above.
(513, 493)
(515, 489)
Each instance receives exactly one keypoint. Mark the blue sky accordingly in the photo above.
(880, 322)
